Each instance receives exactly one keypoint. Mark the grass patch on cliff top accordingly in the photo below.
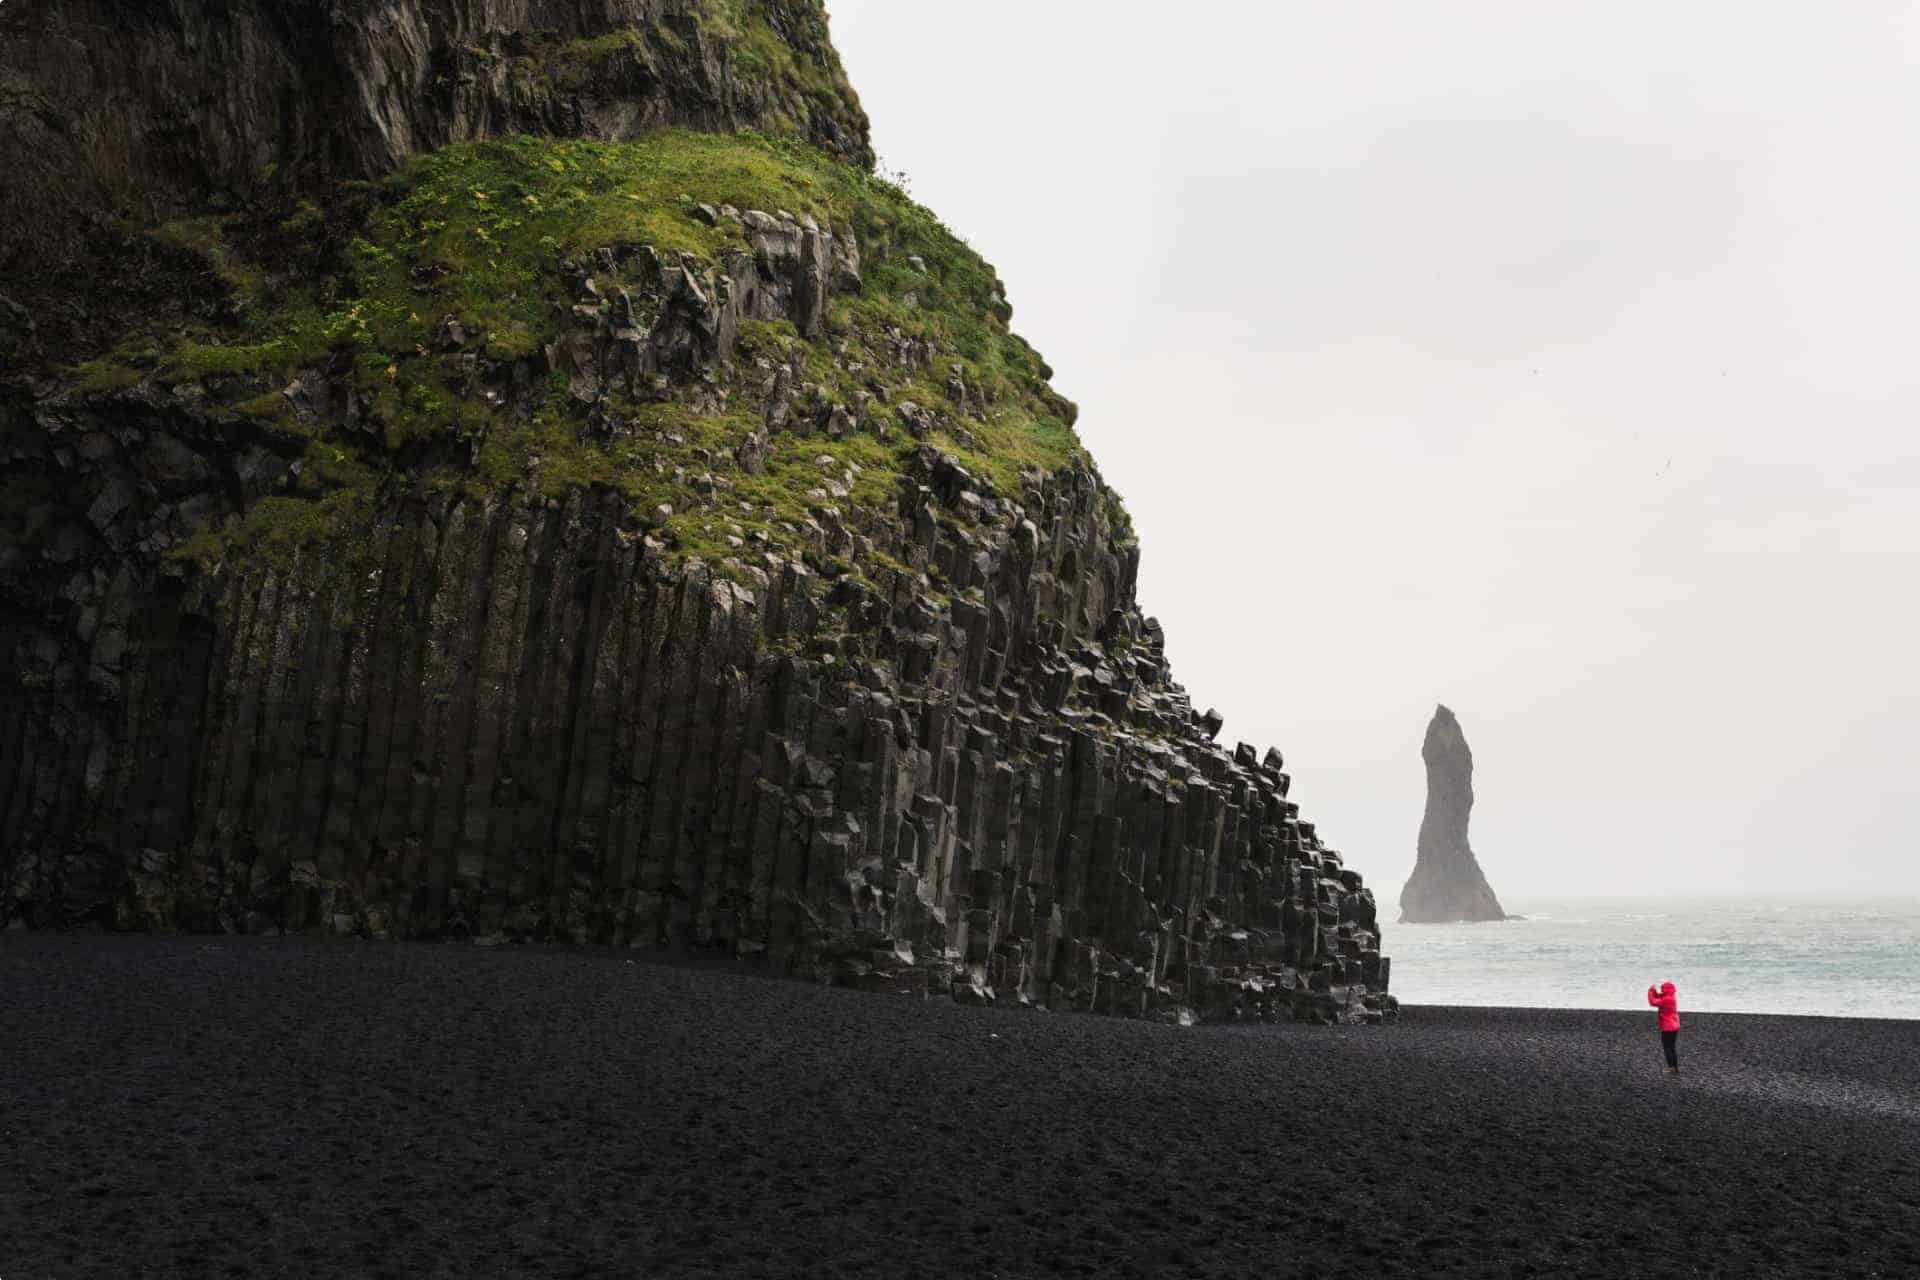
(480, 231)
(484, 233)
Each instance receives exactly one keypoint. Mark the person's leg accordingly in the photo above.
(1669, 1045)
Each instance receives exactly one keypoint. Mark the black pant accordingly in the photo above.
(1670, 1045)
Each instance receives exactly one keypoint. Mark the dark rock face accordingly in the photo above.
(511, 722)
(505, 716)
(1447, 883)
(191, 97)
(152, 110)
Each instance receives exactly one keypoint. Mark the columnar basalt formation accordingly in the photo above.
(699, 575)
(1447, 884)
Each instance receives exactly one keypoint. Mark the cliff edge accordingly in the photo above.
(510, 470)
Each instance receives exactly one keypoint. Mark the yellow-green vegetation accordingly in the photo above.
(201, 236)
(487, 234)
(108, 373)
(331, 505)
(771, 61)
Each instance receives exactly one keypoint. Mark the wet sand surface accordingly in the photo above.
(238, 1107)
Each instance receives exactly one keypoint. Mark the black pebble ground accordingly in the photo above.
(200, 1107)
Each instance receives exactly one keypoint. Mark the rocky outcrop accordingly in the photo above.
(118, 111)
(889, 724)
(509, 721)
(187, 99)
(1447, 883)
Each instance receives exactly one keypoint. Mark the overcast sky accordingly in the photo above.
(1558, 362)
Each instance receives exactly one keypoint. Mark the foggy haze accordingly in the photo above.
(1555, 362)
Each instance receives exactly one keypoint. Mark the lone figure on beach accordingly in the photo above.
(1669, 1006)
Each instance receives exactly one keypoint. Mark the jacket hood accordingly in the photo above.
(1666, 988)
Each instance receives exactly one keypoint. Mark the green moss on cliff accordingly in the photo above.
(331, 506)
(493, 237)
(203, 236)
(782, 46)
(478, 232)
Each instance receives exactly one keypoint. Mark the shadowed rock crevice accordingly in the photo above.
(1447, 883)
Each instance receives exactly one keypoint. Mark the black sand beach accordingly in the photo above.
(237, 1107)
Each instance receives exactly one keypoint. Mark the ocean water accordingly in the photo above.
(1748, 955)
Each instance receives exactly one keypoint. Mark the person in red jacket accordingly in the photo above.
(1669, 1006)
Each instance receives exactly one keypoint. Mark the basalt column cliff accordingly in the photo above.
(508, 469)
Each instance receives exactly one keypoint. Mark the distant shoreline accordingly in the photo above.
(1688, 1016)
(1836, 958)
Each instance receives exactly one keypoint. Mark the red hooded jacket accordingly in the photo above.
(1668, 1004)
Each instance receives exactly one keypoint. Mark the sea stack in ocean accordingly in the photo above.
(1447, 883)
